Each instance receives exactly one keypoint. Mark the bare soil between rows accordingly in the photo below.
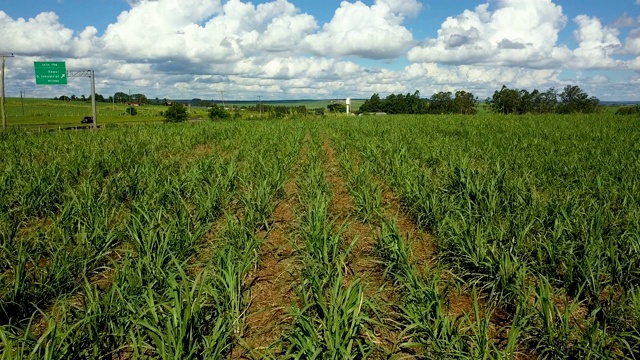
(273, 282)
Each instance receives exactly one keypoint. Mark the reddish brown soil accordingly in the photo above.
(272, 290)
(458, 300)
(274, 280)
(363, 262)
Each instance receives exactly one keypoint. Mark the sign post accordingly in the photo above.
(55, 73)
(50, 72)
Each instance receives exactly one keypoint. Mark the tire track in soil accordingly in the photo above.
(363, 262)
(274, 281)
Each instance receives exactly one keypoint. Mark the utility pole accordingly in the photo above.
(93, 99)
(4, 115)
(223, 106)
(92, 75)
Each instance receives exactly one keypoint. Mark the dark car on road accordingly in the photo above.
(87, 120)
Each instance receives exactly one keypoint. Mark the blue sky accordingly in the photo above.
(291, 49)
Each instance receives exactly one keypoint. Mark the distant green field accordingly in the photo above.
(310, 104)
(53, 113)
(46, 113)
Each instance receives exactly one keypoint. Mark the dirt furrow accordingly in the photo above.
(459, 302)
(275, 278)
(343, 207)
(363, 262)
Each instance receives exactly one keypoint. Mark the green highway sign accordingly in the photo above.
(50, 72)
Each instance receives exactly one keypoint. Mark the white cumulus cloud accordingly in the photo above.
(517, 32)
(42, 35)
(375, 31)
(520, 33)
(632, 43)
(625, 21)
(596, 44)
(214, 33)
(194, 48)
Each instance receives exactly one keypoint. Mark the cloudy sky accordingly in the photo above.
(296, 49)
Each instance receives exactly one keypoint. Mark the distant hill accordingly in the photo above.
(310, 104)
(618, 103)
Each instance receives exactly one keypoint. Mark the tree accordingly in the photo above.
(629, 110)
(505, 101)
(373, 105)
(416, 105)
(573, 100)
(464, 103)
(218, 113)
(337, 108)
(99, 98)
(544, 103)
(514, 101)
(121, 97)
(278, 112)
(176, 113)
(298, 111)
(139, 98)
(394, 104)
(441, 103)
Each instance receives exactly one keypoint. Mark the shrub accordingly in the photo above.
(629, 110)
(132, 111)
(218, 113)
(176, 113)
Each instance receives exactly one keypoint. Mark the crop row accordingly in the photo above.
(130, 280)
(540, 215)
(332, 310)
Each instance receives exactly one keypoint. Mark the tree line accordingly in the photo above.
(505, 101)
(118, 97)
(461, 102)
(571, 100)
